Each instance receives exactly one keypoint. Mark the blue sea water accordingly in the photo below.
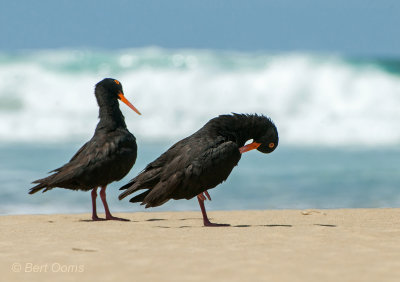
(338, 120)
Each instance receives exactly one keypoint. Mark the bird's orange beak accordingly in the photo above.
(249, 147)
(123, 99)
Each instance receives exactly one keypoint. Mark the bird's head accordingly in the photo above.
(110, 88)
(268, 142)
(265, 141)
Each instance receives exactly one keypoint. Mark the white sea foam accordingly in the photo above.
(47, 96)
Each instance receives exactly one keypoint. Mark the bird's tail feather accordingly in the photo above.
(129, 189)
(37, 188)
(145, 180)
(128, 185)
(140, 197)
(46, 183)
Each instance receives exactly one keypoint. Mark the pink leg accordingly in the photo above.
(104, 200)
(208, 195)
(94, 211)
(203, 195)
(206, 221)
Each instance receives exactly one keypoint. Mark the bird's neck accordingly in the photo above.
(111, 117)
(238, 128)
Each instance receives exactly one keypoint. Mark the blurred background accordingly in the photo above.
(327, 73)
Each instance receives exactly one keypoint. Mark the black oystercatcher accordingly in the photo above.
(202, 161)
(107, 157)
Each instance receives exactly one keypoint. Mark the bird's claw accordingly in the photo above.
(96, 218)
(207, 223)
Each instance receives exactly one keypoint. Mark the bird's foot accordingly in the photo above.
(96, 218)
(207, 223)
(110, 217)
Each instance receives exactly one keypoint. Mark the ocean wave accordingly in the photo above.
(47, 95)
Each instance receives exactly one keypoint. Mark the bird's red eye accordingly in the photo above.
(117, 82)
(271, 145)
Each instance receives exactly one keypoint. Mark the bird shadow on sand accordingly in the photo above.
(200, 225)
(245, 226)
(325, 225)
(84, 250)
(240, 225)
(183, 226)
(91, 220)
(282, 225)
(129, 220)
(236, 226)
(104, 220)
(263, 225)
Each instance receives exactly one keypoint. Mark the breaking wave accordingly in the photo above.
(47, 95)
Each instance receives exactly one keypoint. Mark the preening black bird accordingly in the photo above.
(105, 158)
(202, 161)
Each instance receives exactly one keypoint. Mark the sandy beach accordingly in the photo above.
(272, 245)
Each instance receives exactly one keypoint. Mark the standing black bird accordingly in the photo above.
(107, 157)
(202, 161)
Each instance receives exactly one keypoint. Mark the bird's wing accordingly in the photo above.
(92, 160)
(208, 170)
(152, 173)
(193, 172)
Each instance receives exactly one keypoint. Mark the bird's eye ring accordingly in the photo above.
(271, 145)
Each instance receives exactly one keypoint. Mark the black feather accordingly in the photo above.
(200, 161)
(108, 156)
